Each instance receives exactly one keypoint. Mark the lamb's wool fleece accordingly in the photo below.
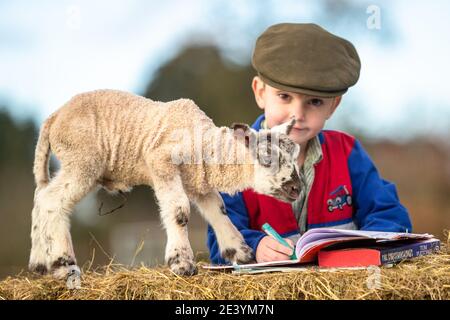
(132, 138)
(120, 140)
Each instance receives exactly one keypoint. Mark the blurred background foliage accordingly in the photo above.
(219, 81)
(202, 74)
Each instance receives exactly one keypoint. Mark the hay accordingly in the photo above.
(420, 278)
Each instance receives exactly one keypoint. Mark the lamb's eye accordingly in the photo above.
(265, 158)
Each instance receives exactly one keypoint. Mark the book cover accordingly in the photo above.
(376, 255)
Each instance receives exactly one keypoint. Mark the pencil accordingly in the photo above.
(267, 228)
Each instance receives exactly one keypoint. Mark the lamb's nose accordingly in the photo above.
(292, 189)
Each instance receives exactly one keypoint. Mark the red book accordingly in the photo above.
(376, 256)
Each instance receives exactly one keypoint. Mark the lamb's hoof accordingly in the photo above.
(73, 278)
(184, 268)
(71, 274)
(243, 255)
(38, 268)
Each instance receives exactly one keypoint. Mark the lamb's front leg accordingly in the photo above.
(231, 243)
(175, 211)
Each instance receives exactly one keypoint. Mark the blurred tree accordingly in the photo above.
(219, 87)
(16, 141)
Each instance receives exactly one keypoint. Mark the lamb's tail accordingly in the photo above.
(42, 155)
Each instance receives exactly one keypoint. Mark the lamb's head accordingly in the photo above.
(276, 171)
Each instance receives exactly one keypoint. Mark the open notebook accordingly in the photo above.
(314, 240)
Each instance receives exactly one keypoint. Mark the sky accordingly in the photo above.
(52, 50)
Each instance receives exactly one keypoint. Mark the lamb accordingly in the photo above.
(118, 140)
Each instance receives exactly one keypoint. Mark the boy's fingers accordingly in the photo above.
(275, 245)
(291, 243)
(286, 250)
(277, 256)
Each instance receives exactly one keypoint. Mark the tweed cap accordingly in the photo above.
(305, 58)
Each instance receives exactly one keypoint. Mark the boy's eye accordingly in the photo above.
(316, 102)
(284, 96)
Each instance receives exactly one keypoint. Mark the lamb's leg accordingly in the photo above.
(231, 243)
(52, 249)
(175, 211)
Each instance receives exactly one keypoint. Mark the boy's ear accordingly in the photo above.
(243, 131)
(258, 87)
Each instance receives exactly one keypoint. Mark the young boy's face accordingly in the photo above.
(279, 106)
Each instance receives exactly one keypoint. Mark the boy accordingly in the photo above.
(303, 71)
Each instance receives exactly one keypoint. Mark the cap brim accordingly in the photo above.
(309, 92)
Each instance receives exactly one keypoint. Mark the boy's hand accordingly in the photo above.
(271, 250)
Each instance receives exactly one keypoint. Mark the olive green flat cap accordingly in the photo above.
(305, 58)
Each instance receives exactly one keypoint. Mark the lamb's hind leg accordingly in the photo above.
(52, 249)
(231, 243)
(175, 210)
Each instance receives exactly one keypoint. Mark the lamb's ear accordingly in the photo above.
(235, 126)
(284, 127)
(243, 131)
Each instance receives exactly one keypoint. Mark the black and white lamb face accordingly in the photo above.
(276, 171)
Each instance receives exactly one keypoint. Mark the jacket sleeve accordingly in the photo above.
(376, 201)
(238, 214)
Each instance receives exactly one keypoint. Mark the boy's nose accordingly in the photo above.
(298, 113)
